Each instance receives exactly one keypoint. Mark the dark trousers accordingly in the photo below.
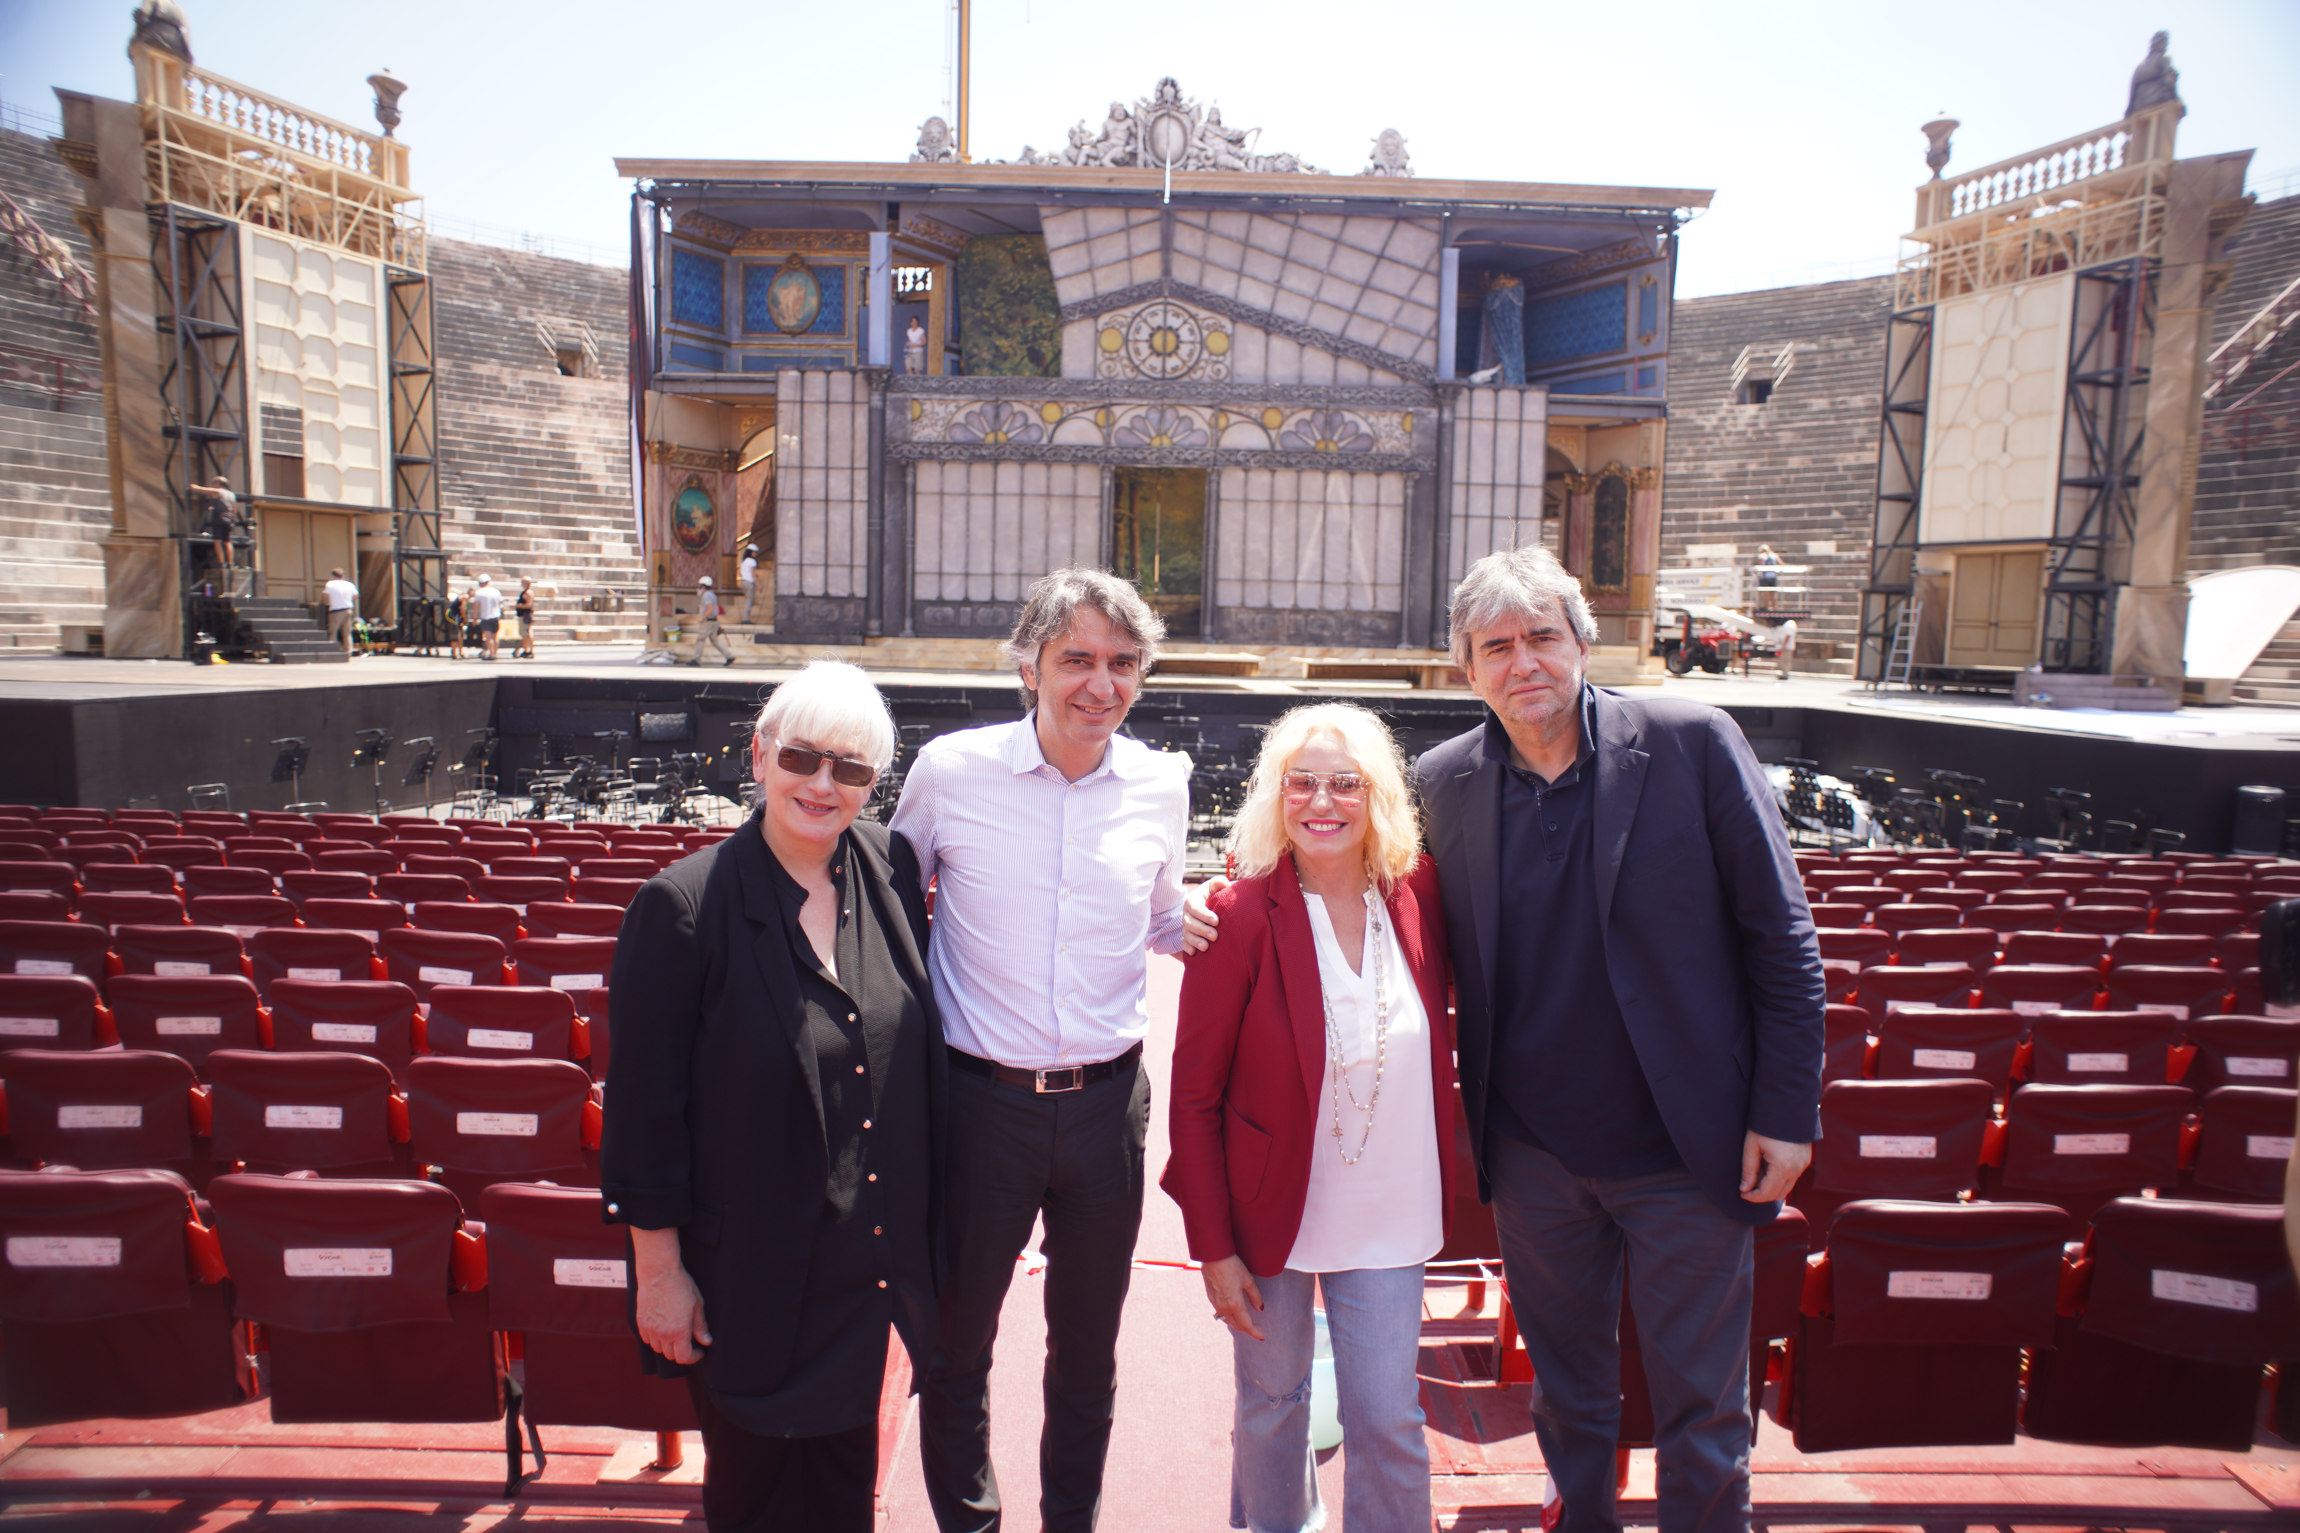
(1076, 1158)
(755, 1484)
(1564, 1242)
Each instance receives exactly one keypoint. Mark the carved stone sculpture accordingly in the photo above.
(934, 144)
(388, 88)
(160, 24)
(1165, 128)
(1389, 155)
(1937, 134)
(2155, 81)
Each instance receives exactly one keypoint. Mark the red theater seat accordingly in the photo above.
(573, 920)
(1904, 917)
(621, 865)
(308, 954)
(2175, 992)
(190, 1016)
(2011, 918)
(177, 853)
(53, 947)
(235, 845)
(177, 950)
(105, 1309)
(303, 885)
(370, 918)
(619, 892)
(498, 921)
(2100, 1048)
(2201, 921)
(421, 959)
(2033, 989)
(1974, 945)
(269, 862)
(2105, 920)
(1862, 945)
(2242, 1142)
(39, 878)
(2238, 951)
(1867, 896)
(482, 1121)
(2186, 950)
(370, 860)
(2241, 1051)
(243, 914)
(1925, 1043)
(1916, 1317)
(2084, 949)
(526, 865)
(324, 1112)
(1895, 1139)
(100, 1109)
(2080, 1146)
(35, 905)
(412, 889)
(49, 1011)
(1829, 917)
(518, 893)
(564, 963)
(129, 878)
(214, 881)
(370, 1016)
(1887, 988)
(110, 910)
(1990, 880)
(400, 848)
(454, 867)
(2184, 1304)
(559, 1275)
(500, 1021)
(1845, 1048)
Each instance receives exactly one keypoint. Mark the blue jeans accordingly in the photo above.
(1374, 1317)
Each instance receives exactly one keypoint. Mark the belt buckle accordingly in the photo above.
(1074, 1074)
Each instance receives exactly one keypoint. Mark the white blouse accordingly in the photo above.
(1387, 1209)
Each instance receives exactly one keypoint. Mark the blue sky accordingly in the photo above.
(1802, 117)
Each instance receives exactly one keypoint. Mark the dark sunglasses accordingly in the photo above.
(800, 762)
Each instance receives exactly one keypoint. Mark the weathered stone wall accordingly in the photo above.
(1798, 472)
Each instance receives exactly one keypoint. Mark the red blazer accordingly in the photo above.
(1250, 1064)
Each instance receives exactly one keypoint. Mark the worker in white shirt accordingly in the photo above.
(1057, 846)
(342, 606)
(748, 574)
(489, 604)
(707, 623)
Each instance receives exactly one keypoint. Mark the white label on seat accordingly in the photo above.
(28, 1027)
(63, 1250)
(176, 968)
(2268, 1146)
(521, 907)
(432, 974)
(90, 1116)
(514, 1125)
(2162, 1009)
(1945, 1059)
(42, 966)
(1899, 1147)
(578, 981)
(278, 1116)
(242, 932)
(495, 1038)
(372, 937)
(1938, 1285)
(2275, 1069)
(2196, 1288)
(342, 1032)
(168, 1027)
(1893, 1006)
(586, 1272)
(330, 976)
(2035, 1008)
(338, 1261)
(2100, 1064)
(2092, 1144)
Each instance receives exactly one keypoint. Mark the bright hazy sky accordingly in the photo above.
(1802, 117)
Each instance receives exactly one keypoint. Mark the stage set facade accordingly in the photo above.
(1293, 406)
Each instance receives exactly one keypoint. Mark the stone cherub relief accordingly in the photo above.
(934, 144)
(1164, 125)
(1389, 155)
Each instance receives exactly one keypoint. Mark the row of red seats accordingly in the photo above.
(2176, 990)
(1985, 948)
(1934, 908)
(109, 892)
(248, 899)
(355, 826)
(2002, 1047)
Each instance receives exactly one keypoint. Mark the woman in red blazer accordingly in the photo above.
(1312, 1117)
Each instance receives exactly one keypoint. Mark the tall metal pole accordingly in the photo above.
(965, 18)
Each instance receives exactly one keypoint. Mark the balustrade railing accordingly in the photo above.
(2050, 171)
(245, 111)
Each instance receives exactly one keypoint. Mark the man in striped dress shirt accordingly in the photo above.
(1058, 846)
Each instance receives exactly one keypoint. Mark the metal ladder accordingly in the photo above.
(1901, 655)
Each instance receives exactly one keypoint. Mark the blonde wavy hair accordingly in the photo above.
(1258, 839)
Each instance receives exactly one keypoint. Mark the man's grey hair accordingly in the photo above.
(1519, 583)
(1054, 601)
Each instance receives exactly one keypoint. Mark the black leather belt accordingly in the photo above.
(1046, 1082)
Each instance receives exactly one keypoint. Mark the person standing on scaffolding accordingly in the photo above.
(707, 623)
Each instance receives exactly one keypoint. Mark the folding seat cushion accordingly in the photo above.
(2099, 1048)
(1864, 945)
(1989, 880)
(304, 885)
(374, 1017)
(1974, 945)
(606, 891)
(1845, 1049)
(2006, 919)
(1907, 879)
(219, 819)
(324, 1112)
(518, 893)
(1898, 918)
(500, 1021)
(215, 881)
(564, 963)
(269, 861)
(177, 853)
(370, 860)
(574, 920)
(48, 1011)
(2210, 922)
(2110, 921)
(484, 845)
(190, 1016)
(498, 921)
(2175, 991)
(371, 918)
(315, 955)
(2216, 883)
(257, 842)
(99, 1109)
(105, 1310)
(559, 1276)
(2033, 989)
(35, 905)
(2063, 879)
(581, 842)
(368, 1311)
(2186, 949)
(421, 959)
(482, 1121)
(1886, 988)
(1915, 1323)
(462, 867)
(2055, 900)
(527, 865)
(1867, 896)
(2184, 1304)
(39, 877)
(620, 865)
(334, 820)
(1925, 1043)
(2241, 1051)
(128, 878)
(245, 914)
(2080, 1146)
(53, 947)
(110, 910)
(1833, 917)
(1895, 1139)
(2241, 1144)
(110, 836)
(412, 889)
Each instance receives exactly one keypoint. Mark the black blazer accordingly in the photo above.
(1708, 939)
(714, 1122)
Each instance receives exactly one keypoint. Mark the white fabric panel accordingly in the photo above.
(1500, 448)
(822, 484)
(1993, 422)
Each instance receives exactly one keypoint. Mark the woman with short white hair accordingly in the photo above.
(1312, 1119)
(777, 1083)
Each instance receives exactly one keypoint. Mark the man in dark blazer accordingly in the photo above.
(1639, 998)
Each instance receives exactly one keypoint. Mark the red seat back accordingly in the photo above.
(274, 862)
(1885, 989)
(370, 860)
(129, 878)
(526, 865)
(300, 1111)
(2078, 1146)
(47, 1011)
(564, 963)
(52, 947)
(2078, 949)
(110, 910)
(371, 918)
(1912, 1139)
(2033, 989)
(606, 891)
(2100, 1048)
(244, 914)
(1973, 945)
(336, 1255)
(2202, 921)
(2244, 1142)
(303, 885)
(412, 889)
(309, 953)
(423, 960)
(177, 950)
(507, 1118)
(2209, 1282)
(1863, 945)
(1922, 1043)
(35, 905)
(518, 892)
(371, 1017)
(190, 1016)
(453, 866)
(213, 880)
(2176, 991)
(2014, 917)
(460, 915)
(2105, 920)
(1845, 1046)
(2242, 1051)
(1899, 918)
(549, 919)
(2185, 948)
(498, 1021)
(39, 877)
(95, 1110)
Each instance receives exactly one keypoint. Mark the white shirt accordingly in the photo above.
(342, 596)
(749, 573)
(1050, 891)
(490, 603)
(1388, 1209)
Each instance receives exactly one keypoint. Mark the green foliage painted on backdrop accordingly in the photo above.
(1010, 321)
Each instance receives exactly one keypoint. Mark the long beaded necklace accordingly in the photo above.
(1380, 945)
